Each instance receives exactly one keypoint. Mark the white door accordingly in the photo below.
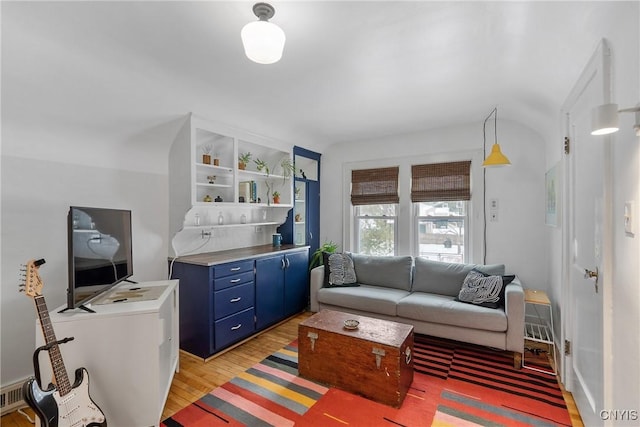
(588, 234)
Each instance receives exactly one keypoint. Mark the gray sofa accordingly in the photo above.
(423, 293)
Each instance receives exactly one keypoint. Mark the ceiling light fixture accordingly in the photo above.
(496, 158)
(605, 120)
(263, 41)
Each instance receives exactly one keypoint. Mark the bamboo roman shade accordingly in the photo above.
(438, 182)
(374, 186)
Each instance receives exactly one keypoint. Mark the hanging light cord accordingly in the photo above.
(484, 176)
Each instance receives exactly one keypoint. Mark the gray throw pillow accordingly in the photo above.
(338, 270)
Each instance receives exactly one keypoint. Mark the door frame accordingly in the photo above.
(598, 67)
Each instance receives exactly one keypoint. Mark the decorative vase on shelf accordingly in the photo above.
(216, 161)
(206, 159)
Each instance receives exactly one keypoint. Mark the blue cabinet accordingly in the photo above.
(224, 303)
(269, 290)
(281, 286)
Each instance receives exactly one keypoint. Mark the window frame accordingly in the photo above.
(356, 230)
(416, 229)
(405, 235)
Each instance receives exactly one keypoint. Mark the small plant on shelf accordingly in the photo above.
(287, 167)
(261, 165)
(243, 160)
(276, 197)
(206, 153)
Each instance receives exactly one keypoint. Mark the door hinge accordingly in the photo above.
(567, 348)
(567, 145)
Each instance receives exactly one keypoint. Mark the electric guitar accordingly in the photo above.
(62, 404)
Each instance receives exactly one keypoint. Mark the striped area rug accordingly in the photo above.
(455, 384)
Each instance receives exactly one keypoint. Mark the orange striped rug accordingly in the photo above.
(455, 384)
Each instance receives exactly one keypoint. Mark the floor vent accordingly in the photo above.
(11, 398)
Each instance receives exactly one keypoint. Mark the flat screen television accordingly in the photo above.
(100, 252)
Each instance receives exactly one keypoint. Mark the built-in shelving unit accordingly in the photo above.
(206, 185)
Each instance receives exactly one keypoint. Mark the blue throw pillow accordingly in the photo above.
(338, 270)
(483, 289)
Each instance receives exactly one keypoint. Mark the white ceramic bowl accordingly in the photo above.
(351, 324)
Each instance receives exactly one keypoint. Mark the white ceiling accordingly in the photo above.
(116, 72)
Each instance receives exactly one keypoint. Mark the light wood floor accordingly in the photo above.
(197, 377)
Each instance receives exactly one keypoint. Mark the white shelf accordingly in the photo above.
(214, 167)
(537, 332)
(203, 184)
(259, 174)
(210, 226)
(299, 223)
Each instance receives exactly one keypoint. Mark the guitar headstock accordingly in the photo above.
(32, 283)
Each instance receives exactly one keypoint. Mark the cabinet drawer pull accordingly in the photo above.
(235, 269)
(235, 280)
(235, 328)
(235, 299)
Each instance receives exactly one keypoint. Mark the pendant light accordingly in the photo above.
(263, 41)
(495, 158)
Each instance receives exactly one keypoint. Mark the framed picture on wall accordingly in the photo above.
(552, 196)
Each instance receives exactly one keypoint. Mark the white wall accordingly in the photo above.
(518, 239)
(36, 195)
(625, 44)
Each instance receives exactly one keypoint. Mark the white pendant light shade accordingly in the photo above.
(263, 41)
(604, 119)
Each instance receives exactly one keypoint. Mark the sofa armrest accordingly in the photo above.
(315, 283)
(514, 309)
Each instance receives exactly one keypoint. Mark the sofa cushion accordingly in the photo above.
(484, 289)
(445, 310)
(373, 299)
(387, 271)
(445, 278)
(339, 270)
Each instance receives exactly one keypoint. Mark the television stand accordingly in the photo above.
(130, 350)
(83, 307)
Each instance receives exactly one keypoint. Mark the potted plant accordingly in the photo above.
(316, 258)
(243, 160)
(276, 197)
(287, 167)
(260, 165)
(206, 154)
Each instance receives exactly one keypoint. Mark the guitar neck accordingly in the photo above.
(59, 371)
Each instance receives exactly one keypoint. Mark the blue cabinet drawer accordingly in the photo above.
(234, 328)
(234, 280)
(232, 300)
(222, 270)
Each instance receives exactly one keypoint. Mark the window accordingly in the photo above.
(441, 230)
(376, 229)
(374, 195)
(440, 192)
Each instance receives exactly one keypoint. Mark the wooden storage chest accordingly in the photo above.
(374, 361)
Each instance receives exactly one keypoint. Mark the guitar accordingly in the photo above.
(62, 404)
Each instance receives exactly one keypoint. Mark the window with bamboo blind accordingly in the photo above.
(441, 182)
(440, 192)
(374, 195)
(374, 186)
